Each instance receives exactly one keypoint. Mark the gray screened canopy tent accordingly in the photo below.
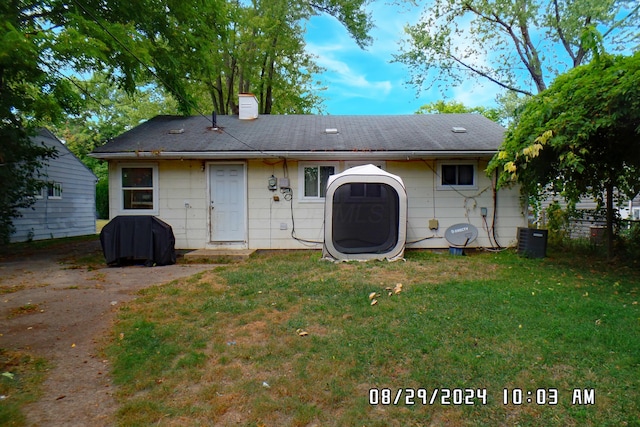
(365, 215)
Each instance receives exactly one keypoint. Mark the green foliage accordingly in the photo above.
(631, 242)
(449, 107)
(518, 45)
(102, 198)
(215, 47)
(580, 136)
(20, 161)
(108, 111)
(557, 222)
(21, 377)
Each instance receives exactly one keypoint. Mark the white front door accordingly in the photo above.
(227, 202)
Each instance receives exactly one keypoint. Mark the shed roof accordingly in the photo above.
(326, 136)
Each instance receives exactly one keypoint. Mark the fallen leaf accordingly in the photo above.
(73, 345)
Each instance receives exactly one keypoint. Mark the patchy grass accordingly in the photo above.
(25, 309)
(26, 248)
(21, 376)
(100, 223)
(225, 347)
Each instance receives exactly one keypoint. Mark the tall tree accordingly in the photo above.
(519, 45)
(29, 93)
(107, 112)
(172, 42)
(580, 137)
(223, 46)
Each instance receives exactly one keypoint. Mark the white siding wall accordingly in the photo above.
(73, 214)
(181, 181)
(451, 207)
(267, 216)
(178, 182)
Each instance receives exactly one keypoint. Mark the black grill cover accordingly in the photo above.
(131, 239)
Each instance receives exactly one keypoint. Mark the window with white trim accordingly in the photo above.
(138, 188)
(457, 175)
(315, 177)
(54, 190)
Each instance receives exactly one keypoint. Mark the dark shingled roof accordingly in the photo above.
(307, 133)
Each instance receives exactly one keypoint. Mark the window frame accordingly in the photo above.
(439, 175)
(301, 179)
(154, 188)
(53, 190)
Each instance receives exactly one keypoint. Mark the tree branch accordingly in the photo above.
(560, 32)
(525, 48)
(492, 79)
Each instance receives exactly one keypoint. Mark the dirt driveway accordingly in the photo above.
(62, 312)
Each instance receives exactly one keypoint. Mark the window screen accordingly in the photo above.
(365, 218)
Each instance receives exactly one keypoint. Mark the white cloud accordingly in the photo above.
(339, 72)
(364, 81)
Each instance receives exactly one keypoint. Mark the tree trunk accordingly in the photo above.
(609, 220)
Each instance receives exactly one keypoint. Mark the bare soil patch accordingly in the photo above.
(52, 307)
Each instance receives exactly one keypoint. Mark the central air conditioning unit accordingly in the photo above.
(532, 242)
(365, 215)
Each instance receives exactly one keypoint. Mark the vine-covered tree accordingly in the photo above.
(580, 137)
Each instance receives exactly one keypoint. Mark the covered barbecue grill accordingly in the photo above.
(138, 239)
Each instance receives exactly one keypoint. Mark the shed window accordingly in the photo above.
(54, 190)
(138, 188)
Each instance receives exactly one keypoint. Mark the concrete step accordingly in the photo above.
(219, 255)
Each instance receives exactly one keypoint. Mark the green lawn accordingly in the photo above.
(228, 347)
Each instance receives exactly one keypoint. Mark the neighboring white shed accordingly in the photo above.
(67, 205)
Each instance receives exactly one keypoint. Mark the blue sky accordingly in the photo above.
(365, 81)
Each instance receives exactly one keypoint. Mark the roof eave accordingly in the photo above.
(294, 155)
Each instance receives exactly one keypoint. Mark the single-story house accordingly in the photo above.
(254, 182)
(66, 206)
